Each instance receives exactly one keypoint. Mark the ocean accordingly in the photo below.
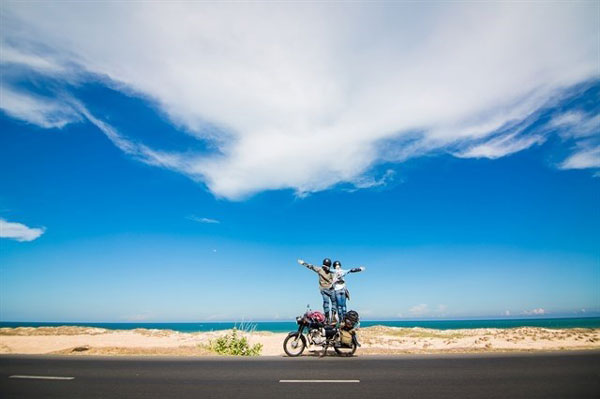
(286, 326)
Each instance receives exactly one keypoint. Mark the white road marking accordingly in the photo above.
(319, 381)
(41, 377)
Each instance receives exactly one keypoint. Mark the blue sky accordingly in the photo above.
(151, 177)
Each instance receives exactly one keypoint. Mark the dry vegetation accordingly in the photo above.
(375, 340)
(410, 332)
(197, 350)
(390, 340)
(62, 330)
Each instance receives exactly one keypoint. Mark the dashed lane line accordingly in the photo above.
(40, 377)
(334, 381)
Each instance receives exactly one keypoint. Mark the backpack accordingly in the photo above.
(346, 337)
(351, 318)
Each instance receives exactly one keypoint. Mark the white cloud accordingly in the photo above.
(576, 124)
(423, 309)
(537, 311)
(507, 313)
(41, 111)
(584, 129)
(305, 96)
(19, 232)
(11, 55)
(203, 220)
(138, 317)
(56, 113)
(586, 156)
(419, 310)
(501, 146)
(370, 181)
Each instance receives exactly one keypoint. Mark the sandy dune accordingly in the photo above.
(375, 340)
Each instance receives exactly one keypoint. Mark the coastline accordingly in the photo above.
(375, 340)
(286, 326)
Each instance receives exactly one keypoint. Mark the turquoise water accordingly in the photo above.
(285, 326)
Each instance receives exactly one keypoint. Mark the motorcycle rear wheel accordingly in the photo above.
(345, 351)
(294, 344)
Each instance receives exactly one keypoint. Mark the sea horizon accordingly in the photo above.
(289, 325)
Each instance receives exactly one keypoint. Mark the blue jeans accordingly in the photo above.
(328, 295)
(340, 299)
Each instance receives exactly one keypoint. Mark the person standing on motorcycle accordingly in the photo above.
(325, 285)
(339, 287)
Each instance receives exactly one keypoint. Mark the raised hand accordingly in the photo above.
(300, 261)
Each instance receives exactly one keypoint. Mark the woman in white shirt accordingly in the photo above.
(339, 287)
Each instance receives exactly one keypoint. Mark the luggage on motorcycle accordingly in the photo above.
(316, 316)
(351, 319)
(346, 337)
(330, 332)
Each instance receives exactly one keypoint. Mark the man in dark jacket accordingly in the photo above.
(325, 285)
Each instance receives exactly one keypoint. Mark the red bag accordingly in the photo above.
(316, 316)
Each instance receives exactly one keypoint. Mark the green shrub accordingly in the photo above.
(234, 344)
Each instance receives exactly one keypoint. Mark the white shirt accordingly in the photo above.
(338, 279)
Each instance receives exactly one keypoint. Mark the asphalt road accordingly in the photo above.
(545, 375)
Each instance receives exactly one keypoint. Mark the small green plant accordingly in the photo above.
(235, 344)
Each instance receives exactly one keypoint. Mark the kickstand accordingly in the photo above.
(324, 350)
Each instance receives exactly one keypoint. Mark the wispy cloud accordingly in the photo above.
(582, 128)
(366, 181)
(537, 312)
(423, 309)
(587, 155)
(138, 317)
(501, 146)
(319, 91)
(204, 220)
(19, 231)
(41, 111)
(419, 310)
(12, 55)
(58, 112)
(576, 124)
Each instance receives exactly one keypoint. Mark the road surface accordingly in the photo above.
(541, 375)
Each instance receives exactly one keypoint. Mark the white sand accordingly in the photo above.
(420, 340)
(375, 340)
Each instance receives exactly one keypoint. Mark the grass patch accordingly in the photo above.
(235, 344)
(412, 332)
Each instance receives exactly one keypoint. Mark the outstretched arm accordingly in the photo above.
(307, 265)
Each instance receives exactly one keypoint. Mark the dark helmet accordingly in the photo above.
(327, 262)
(337, 263)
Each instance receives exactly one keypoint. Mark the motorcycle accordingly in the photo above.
(313, 330)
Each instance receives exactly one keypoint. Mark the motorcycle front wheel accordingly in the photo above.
(346, 350)
(294, 344)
